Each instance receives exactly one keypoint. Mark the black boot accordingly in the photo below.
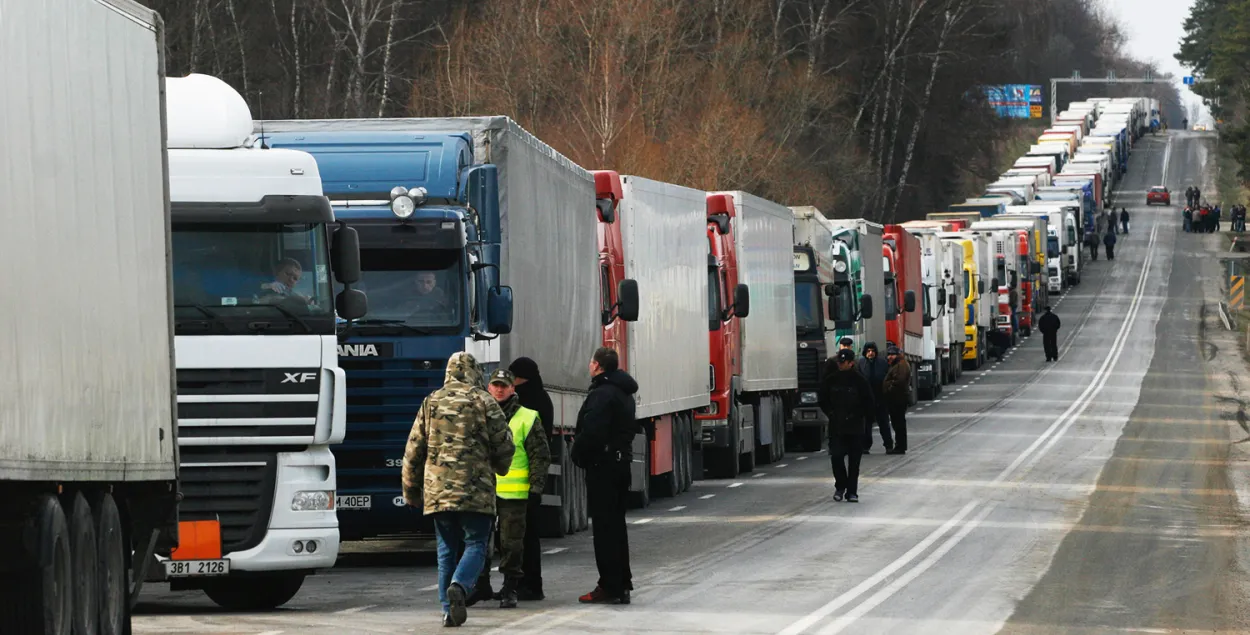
(481, 592)
(507, 594)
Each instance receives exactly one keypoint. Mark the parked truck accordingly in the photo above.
(979, 295)
(261, 397)
(859, 241)
(654, 285)
(88, 444)
(941, 269)
(753, 360)
(466, 209)
(904, 290)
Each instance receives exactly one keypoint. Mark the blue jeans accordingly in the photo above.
(460, 530)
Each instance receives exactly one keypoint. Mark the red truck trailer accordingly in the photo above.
(904, 285)
(652, 246)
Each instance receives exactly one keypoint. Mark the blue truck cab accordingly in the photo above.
(429, 228)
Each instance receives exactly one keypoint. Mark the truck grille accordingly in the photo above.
(247, 406)
(233, 485)
(383, 396)
(809, 368)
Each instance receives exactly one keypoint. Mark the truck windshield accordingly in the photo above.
(415, 289)
(807, 313)
(250, 277)
(1052, 246)
(891, 299)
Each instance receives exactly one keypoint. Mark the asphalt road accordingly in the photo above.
(1092, 495)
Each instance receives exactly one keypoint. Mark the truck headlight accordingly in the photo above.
(808, 398)
(312, 501)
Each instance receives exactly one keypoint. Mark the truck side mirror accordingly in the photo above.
(909, 301)
(345, 255)
(627, 300)
(351, 304)
(742, 301)
(941, 297)
(980, 287)
(865, 307)
(499, 310)
(994, 284)
(607, 214)
(1035, 267)
(928, 320)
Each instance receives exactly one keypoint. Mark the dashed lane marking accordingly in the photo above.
(357, 609)
(677, 508)
(757, 475)
(733, 485)
(643, 521)
(706, 496)
(553, 551)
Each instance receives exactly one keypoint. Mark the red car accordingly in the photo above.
(1159, 194)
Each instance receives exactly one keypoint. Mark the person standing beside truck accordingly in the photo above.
(531, 393)
(849, 404)
(1091, 241)
(1109, 241)
(873, 370)
(896, 392)
(1049, 324)
(525, 479)
(459, 442)
(602, 445)
(1124, 219)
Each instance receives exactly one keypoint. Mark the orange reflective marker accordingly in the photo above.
(198, 540)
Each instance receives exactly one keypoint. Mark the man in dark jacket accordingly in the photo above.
(896, 391)
(1124, 219)
(1109, 241)
(532, 395)
(848, 403)
(873, 369)
(602, 445)
(1048, 324)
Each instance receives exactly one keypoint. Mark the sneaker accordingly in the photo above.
(447, 623)
(852, 498)
(599, 596)
(456, 598)
(839, 494)
(529, 595)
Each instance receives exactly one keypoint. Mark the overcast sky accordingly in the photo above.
(1154, 29)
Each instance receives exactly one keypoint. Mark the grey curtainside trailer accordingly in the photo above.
(88, 448)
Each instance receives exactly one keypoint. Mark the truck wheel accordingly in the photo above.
(779, 437)
(641, 499)
(581, 509)
(111, 552)
(85, 559)
(262, 593)
(686, 454)
(723, 462)
(38, 598)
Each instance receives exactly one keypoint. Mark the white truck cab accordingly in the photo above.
(260, 394)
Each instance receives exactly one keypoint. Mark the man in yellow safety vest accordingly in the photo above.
(525, 479)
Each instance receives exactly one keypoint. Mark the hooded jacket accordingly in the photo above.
(605, 423)
(532, 393)
(873, 370)
(459, 442)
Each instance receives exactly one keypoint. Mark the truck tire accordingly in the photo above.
(723, 462)
(685, 445)
(746, 461)
(668, 485)
(641, 499)
(568, 497)
(261, 593)
(111, 554)
(581, 508)
(779, 434)
(38, 598)
(85, 557)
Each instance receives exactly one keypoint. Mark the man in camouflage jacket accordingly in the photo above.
(459, 442)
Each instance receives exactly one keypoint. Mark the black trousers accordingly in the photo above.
(607, 491)
(1050, 342)
(845, 454)
(532, 562)
(883, 425)
(1110, 251)
(898, 419)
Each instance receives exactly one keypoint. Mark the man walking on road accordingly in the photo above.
(1124, 219)
(459, 442)
(848, 402)
(873, 369)
(532, 395)
(525, 480)
(896, 389)
(1049, 324)
(1109, 241)
(602, 445)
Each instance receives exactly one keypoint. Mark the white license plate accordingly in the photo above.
(353, 502)
(193, 568)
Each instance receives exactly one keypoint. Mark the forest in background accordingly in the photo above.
(864, 108)
(1217, 49)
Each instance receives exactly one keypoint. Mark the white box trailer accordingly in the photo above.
(88, 441)
(764, 241)
(941, 264)
(663, 233)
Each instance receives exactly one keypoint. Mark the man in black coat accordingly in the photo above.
(530, 391)
(848, 402)
(602, 445)
(1049, 324)
(873, 368)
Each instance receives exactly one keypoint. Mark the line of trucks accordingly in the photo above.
(199, 393)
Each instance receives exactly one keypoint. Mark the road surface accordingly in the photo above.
(1097, 494)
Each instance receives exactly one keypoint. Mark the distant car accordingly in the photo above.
(1159, 194)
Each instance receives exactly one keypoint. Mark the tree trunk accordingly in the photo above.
(386, 58)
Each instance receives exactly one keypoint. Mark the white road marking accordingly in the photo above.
(733, 485)
(553, 551)
(643, 521)
(432, 587)
(707, 496)
(677, 508)
(802, 458)
(759, 474)
(357, 609)
(783, 465)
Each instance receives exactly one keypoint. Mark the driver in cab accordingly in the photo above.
(429, 299)
(286, 274)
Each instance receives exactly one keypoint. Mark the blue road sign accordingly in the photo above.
(1189, 81)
